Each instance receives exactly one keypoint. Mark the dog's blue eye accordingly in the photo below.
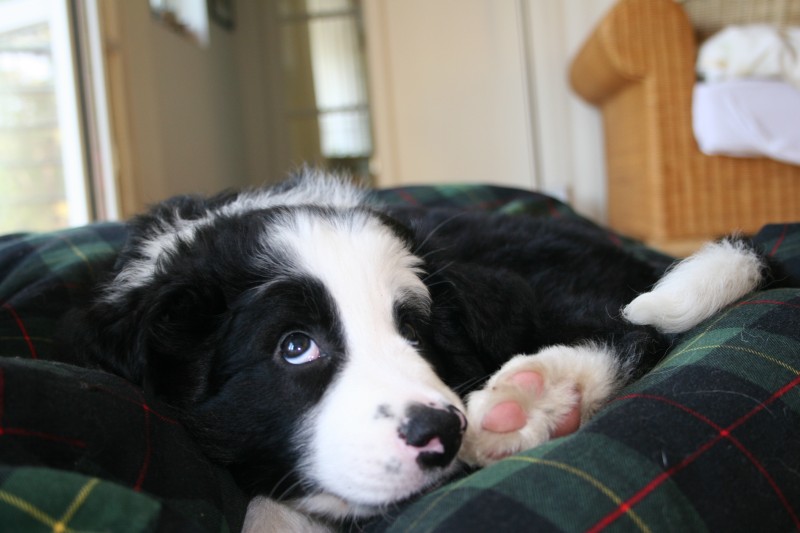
(299, 349)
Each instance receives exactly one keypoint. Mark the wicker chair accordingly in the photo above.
(638, 66)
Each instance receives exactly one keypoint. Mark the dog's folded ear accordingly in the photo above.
(178, 339)
(160, 339)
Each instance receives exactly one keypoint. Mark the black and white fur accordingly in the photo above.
(335, 355)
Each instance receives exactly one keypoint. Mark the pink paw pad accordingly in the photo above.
(509, 416)
(504, 417)
(528, 381)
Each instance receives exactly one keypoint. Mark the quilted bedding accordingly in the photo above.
(708, 440)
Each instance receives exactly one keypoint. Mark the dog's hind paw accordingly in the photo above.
(697, 287)
(535, 398)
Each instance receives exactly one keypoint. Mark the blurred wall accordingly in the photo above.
(477, 91)
(461, 91)
(176, 105)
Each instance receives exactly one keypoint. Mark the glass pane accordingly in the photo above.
(337, 62)
(32, 195)
(345, 134)
(325, 88)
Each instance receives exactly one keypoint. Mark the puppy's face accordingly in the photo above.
(290, 337)
(385, 426)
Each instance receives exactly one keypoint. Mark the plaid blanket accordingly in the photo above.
(709, 440)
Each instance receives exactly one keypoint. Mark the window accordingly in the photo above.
(325, 86)
(44, 175)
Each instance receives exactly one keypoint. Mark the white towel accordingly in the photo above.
(751, 51)
(747, 118)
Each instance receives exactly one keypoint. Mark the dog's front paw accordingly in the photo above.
(534, 398)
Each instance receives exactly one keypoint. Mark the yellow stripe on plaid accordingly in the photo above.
(764, 356)
(450, 488)
(57, 526)
(76, 504)
(697, 338)
(610, 494)
(27, 508)
(78, 252)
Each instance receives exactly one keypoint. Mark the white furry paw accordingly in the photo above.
(269, 516)
(697, 287)
(534, 398)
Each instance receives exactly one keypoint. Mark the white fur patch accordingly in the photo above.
(353, 451)
(588, 373)
(312, 189)
(697, 287)
(268, 516)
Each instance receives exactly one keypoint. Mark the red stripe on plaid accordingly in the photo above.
(780, 240)
(768, 302)
(21, 327)
(148, 451)
(2, 397)
(140, 403)
(726, 433)
(407, 196)
(489, 205)
(552, 208)
(148, 444)
(615, 239)
(19, 432)
(148, 440)
(625, 506)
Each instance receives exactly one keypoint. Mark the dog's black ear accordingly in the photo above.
(104, 335)
(160, 338)
(179, 336)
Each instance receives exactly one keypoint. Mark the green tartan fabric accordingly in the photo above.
(707, 441)
(43, 275)
(56, 418)
(478, 197)
(50, 500)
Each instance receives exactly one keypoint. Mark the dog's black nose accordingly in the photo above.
(435, 432)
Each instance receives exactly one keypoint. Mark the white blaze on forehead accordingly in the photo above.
(361, 262)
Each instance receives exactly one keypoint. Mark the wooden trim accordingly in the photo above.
(384, 164)
(124, 168)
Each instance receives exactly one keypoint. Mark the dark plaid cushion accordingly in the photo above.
(79, 447)
(84, 448)
(708, 440)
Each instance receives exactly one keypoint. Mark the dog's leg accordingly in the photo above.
(534, 398)
(699, 286)
(268, 516)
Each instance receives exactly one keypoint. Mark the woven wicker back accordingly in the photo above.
(710, 16)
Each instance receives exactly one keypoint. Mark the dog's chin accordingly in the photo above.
(331, 506)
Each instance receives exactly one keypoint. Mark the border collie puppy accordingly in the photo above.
(340, 357)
